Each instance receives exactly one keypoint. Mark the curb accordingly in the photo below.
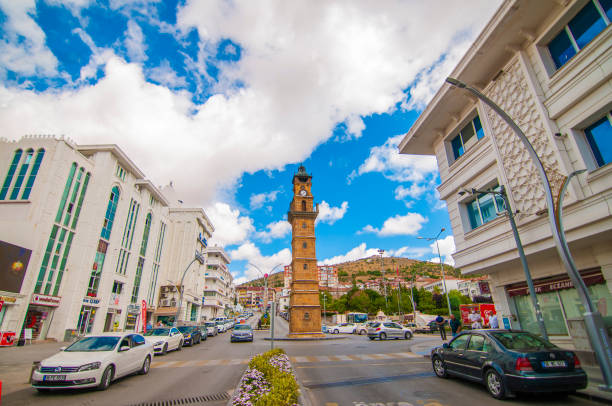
(595, 397)
(305, 339)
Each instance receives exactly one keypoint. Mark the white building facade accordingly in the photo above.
(548, 65)
(88, 238)
(219, 292)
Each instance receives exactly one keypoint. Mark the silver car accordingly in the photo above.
(388, 329)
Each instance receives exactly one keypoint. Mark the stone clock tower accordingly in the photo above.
(304, 308)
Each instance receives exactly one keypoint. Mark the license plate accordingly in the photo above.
(554, 364)
(54, 378)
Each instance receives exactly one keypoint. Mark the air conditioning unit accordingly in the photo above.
(165, 303)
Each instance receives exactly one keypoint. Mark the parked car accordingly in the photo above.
(221, 326)
(165, 339)
(211, 328)
(362, 329)
(509, 361)
(192, 335)
(430, 327)
(242, 332)
(342, 328)
(388, 329)
(94, 360)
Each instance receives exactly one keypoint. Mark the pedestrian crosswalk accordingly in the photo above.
(294, 360)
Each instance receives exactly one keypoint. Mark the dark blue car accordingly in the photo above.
(509, 361)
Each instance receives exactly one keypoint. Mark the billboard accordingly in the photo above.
(13, 265)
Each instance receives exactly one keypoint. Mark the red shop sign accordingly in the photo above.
(561, 282)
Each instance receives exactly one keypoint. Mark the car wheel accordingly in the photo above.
(336, 331)
(180, 346)
(165, 349)
(107, 377)
(371, 338)
(439, 367)
(383, 336)
(408, 335)
(362, 332)
(146, 365)
(495, 385)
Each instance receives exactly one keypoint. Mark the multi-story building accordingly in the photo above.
(326, 274)
(547, 64)
(473, 288)
(218, 289)
(86, 237)
(438, 284)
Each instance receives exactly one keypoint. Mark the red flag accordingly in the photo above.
(398, 271)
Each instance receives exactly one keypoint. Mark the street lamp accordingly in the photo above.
(593, 320)
(441, 266)
(382, 271)
(200, 258)
(265, 276)
(519, 247)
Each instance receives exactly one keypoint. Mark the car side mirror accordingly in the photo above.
(62, 348)
(445, 345)
(124, 348)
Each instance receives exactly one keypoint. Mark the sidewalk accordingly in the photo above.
(16, 363)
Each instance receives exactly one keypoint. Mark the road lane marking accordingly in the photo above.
(312, 359)
(355, 357)
(360, 364)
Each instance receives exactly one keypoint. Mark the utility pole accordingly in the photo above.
(382, 271)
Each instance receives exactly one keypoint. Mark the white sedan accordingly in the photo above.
(165, 339)
(342, 328)
(94, 360)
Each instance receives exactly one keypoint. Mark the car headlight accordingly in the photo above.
(188, 336)
(158, 343)
(90, 366)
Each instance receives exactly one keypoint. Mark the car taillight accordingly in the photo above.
(523, 364)
(577, 363)
(378, 329)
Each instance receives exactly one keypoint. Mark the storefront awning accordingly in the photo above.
(590, 277)
(165, 311)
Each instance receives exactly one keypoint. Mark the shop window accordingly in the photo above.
(484, 208)
(600, 295)
(550, 305)
(599, 137)
(592, 19)
(467, 137)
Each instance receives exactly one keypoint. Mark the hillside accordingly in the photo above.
(370, 268)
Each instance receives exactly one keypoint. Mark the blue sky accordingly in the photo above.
(226, 99)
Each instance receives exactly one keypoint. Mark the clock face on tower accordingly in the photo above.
(302, 192)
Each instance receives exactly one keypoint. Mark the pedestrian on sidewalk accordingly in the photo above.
(455, 325)
(440, 323)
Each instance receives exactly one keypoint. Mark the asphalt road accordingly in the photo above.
(353, 371)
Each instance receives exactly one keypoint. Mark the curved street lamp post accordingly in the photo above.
(200, 258)
(272, 310)
(593, 320)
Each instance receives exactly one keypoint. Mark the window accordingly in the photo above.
(22, 173)
(467, 137)
(138, 340)
(117, 287)
(120, 172)
(586, 25)
(305, 266)
(484, 208)
(599, 136)
(460, 342)
(10, 174)
(476, 343)
(303, 225)
(109, 217)
(28, 188)
(304, 245)
(303, 205)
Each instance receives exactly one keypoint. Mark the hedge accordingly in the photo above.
(268, 381)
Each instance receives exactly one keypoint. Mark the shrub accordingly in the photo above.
(269, 381)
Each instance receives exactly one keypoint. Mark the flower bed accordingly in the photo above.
(268, 381)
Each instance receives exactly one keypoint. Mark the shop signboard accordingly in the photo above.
(8, 299)
(45, 300)
(133, 309)
(561, 282)
(91, 301)
(1, 304)
(485, 310)
(143, 317)
(13, 265)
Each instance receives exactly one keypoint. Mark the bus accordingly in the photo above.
(360, 320)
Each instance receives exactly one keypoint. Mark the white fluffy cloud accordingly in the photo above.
(251, 254)
(359, 252)
(447, 248)
(409, 224)
(304, 68)
(258, 200)
(387, 160)
(414, 191)
(275, 230)
(230, 227)
(330, 215)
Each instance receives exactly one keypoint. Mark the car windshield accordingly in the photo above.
(94, 344)
(242, 327)
(210, 324)
(185, 329)
(522, 341)
(219, 323)
(158, 332)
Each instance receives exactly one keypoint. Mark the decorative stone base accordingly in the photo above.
(306, 335)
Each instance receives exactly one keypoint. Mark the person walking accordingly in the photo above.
(455, 325)
(440, 324)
